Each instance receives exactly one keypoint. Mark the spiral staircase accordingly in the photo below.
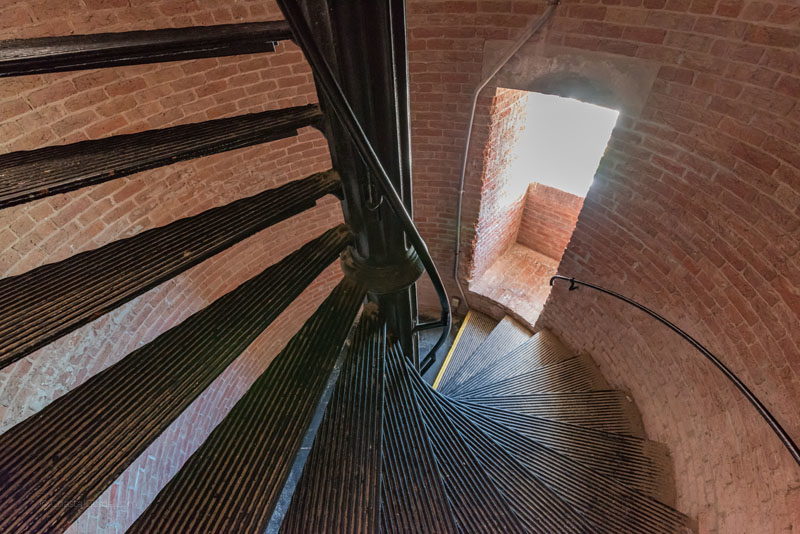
(340, 433)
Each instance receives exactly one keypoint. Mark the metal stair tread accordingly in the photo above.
(506, 336)
(542, 349)
(136, 399)
(474, 331)
(608, 411)
(640, 464)
(31, 174)
(578, 373)
(20, 57)
(233, 481)
(340, 486)
(50, 301)
(413, 495)
(608, 505)
(477, 503)
(538, 507)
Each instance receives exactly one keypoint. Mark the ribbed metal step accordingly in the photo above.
(576, 374)
(233, 481)
(640, 464)
(542, 349)
(473, 332)
(506, 336)
(43, 304)
(73, 449)
(413, 497)
(606, 411)
(538, 508)
(608, 506)
(477, 503)
(340, 488)
(32, 174)
(19, 57)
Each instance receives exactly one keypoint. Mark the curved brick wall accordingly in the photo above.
(695, 211)
(59, 108)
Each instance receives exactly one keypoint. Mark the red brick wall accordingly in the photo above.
(59, 108)
(695, 212)
(548, 219)
(502, 199)
(445, 50)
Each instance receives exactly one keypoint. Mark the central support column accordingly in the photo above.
(367, 41)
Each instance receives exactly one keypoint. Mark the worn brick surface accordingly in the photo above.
(695, 212)
(548, 220)
(502, 197)
(59, 108)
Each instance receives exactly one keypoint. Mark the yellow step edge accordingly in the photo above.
(452, 349)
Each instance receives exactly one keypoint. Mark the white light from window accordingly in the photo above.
(563, 142)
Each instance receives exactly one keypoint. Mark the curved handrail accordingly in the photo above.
(341, 108)
(776, 427)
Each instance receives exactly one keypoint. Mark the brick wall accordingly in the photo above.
(695, 212)
(60, 108)
(445, 50)
(548, 219)
(502, 199)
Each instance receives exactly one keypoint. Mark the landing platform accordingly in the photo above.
(519, 281)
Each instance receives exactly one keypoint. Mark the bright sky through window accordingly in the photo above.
(563, 142)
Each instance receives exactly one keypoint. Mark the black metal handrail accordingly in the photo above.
(338, 102)
(776, 427)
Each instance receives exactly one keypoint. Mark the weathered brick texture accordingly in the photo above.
(516, 284)
(548, 219)
(50, 109)
(502, 199)
(695, 211)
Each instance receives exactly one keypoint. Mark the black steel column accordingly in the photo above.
(365, 44)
